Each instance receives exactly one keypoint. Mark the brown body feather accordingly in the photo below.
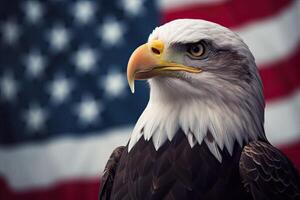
(268, 174)
(177, 171)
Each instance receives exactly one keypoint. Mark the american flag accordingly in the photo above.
(64, 100)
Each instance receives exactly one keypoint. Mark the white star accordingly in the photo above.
(85, 59)
(60, 89)
(33, 11)
(35, 118)
(88, 110)
(111, 32)
(84, 11)
(35, 64)
(133, 7)
(114, 84)
(8, 86)
(59, 38)
(10, 32)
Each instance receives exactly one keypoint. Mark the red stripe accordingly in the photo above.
(75, 190)
(230, 13)
(293, 151)
(282, 78)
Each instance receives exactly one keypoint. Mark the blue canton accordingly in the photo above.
(63, 66)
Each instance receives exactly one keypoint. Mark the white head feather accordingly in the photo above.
(225, 100)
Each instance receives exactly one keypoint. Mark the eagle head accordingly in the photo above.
(204, 80)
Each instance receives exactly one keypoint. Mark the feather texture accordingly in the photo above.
(176, 171)
(160, 123)
(268, 174)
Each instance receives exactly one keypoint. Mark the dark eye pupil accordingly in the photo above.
(195, 49)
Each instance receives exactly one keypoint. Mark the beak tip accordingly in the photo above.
(131, 86)
(132, 89)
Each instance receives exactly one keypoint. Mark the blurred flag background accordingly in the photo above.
(64, 100)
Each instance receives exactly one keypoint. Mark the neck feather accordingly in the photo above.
(218, 124)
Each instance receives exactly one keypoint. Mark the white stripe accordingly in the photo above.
(283, 120)
(273, 39)
(41, 165)
(174, 4)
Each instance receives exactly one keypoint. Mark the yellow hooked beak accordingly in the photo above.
(147, 62)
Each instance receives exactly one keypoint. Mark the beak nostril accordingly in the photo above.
(155, 51)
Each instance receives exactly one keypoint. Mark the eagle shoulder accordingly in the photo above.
(267, 173)
(108, 175)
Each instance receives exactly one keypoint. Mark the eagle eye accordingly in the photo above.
(196, 50)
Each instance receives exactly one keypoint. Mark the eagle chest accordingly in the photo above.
(177, 171)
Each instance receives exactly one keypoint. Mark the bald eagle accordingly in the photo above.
(201, 136)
